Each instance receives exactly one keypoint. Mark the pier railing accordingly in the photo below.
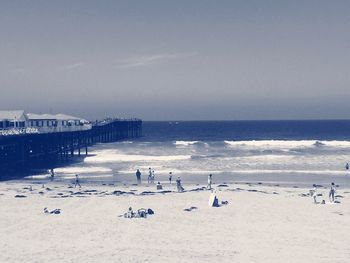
(40, 130)
(18, 131)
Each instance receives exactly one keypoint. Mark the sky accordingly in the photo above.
(177, 60)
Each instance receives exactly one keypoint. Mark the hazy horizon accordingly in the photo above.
(177, 60)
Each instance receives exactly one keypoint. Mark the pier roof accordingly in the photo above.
(34, 116)
(12, 115)
(63, 117)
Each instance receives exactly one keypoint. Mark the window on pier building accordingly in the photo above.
(1, 124)
(39, 123)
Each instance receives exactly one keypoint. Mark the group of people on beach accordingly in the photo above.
(76, 181)
(331, 194)
(151, 177)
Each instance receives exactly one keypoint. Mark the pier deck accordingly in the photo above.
(44, 150)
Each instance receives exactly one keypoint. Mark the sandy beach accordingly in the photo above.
(259, 224)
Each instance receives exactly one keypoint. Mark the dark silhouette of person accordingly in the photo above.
(138, 176)
(170, 177)
(77, 181)
(332, 193)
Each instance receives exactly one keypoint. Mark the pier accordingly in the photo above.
(23, 151)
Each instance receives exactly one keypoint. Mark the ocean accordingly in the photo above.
(268, 152)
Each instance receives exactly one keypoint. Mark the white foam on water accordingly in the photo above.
(165, 172)
(85, 176)
(264, 171)
(80, 170)
(38, 176)
(107, 156)
(282, 144)
(185, 143)
(175, 172)
(339, 144)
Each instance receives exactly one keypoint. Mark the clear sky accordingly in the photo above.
(177, 60)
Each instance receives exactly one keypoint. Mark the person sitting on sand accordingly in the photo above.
(332, 193)
(149, 175)
(130, 213)
(77, 181)
(180, 189)
(170, 177)
(209, 181)
(138, 176)
(213, 200)
(159, 186)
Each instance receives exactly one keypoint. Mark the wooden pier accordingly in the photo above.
(45, 150)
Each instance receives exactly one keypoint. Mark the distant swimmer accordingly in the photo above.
(138, 176)
(347, 166)
(332, 193)
(77, 181)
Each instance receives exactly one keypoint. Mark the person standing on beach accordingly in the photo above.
(332, 193)
(138, 176)
(77, 181)
(210, 180)
(149, 175)
(347, 166)
(313, 193)
(152, 177)
(180, 189)
(170, 177)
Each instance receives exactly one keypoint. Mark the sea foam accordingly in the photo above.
(107, 156)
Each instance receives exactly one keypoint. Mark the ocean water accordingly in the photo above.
(271, 152)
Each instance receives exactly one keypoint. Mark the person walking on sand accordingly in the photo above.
(138, 176)
(77, 181)
(210, 180)
(170, 177)
(52, 173)
(180, 189)
(149, 179)
(332, 193)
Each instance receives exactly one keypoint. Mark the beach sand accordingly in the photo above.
(260, 224)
